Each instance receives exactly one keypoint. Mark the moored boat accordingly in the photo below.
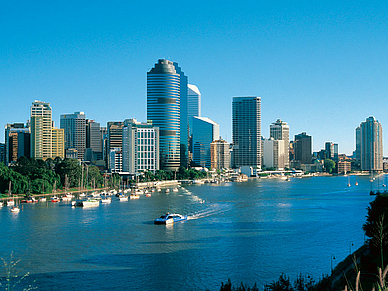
(15, 209)
(134, 196)
(170, 218)
(123, 198)
(10, 202)
(54, 199)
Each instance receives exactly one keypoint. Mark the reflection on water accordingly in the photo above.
(250, 232)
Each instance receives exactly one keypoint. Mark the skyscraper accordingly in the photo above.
(303, 148)
(371, 145)
(220, 154)
(163, 109)
(140, 147)
(17, 142)
(74, 126)
(58, 143)
(274, 153)
(246, 124)
(204, 131)
(93, 140)
(184, 121)
(114, 137)
(280, 130)
(41, 130)
(193, 101)
(357, 152)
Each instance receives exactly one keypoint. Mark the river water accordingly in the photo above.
(247, 232)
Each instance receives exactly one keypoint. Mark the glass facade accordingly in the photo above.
(246, 125)
(163, 109)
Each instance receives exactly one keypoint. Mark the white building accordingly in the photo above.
(140, 147)
(273, 154)
(115, 160)
(280, 130)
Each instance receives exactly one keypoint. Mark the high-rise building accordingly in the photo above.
(115, 160)
(114, 137)
(280, 130)
(140, 147)
(273, 153)
(246, 124)
(184, 121)
(58, 143)
(303, 148)
(2, 152)
(357, 152)
(331, 151)
(163, 110)
(41, 130)
(74, 126)
(193, 101)
(371, 145)
(203, 131)
(94, 145)
(220, 154)
(17, 142)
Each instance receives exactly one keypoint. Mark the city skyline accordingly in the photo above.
(320, 68)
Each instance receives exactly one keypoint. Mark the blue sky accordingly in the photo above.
(321, 66)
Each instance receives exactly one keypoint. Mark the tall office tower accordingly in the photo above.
(93, 140)
(193, 101)
(280, 130)
(2, 152)
(114, 133)
(329, 150)
(74, 126)
(371, 145)
(274, 155)
(246, 125)
(58, 143)
(357, 152)
(115, 160)
(220, 154)
(17, 142)
(203, 131)
(41, 130)
(140, 147)
(303, 148)
(184, 121)
(163, 110)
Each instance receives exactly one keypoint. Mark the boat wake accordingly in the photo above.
(209, 211)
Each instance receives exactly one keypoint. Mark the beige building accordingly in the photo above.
(58, 143)
(219, 154)
(344, 167)
(280, 130)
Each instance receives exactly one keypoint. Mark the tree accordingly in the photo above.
(70, 168)
(329, 165)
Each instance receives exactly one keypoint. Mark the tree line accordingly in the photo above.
(31, 176)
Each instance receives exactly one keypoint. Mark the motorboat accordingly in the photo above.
(123, 198)
(148, 195)
(105, 199)
(29, 200)
(175, 190)
(10, 202)
(167, 190)
(54, 199)
(15, 209)
(89, 203)
(66, 198)
(42, 199)
(169, 218)
(134, 196)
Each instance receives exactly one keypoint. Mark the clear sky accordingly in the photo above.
(321, 66)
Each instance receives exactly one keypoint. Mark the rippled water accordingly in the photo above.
(248, 232)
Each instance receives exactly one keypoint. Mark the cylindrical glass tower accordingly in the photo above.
(163, 109)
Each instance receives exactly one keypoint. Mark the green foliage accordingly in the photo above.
(19, 183)
(329, 165)
(302, 283)
(71, 169)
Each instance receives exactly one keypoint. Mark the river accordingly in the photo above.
(247, 232)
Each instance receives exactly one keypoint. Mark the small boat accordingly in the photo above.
(134, 196)
(54, 199)
(66, 198)
(175, 190)
(170, 218)
(167, 190)
(42, 199)
(90, 203)
(10, 202)
(139, 192)
(159, 190)
(105, 199)
(15, 209)
(148, 195)
(29, 200)
(123, 198)
(356, 184)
